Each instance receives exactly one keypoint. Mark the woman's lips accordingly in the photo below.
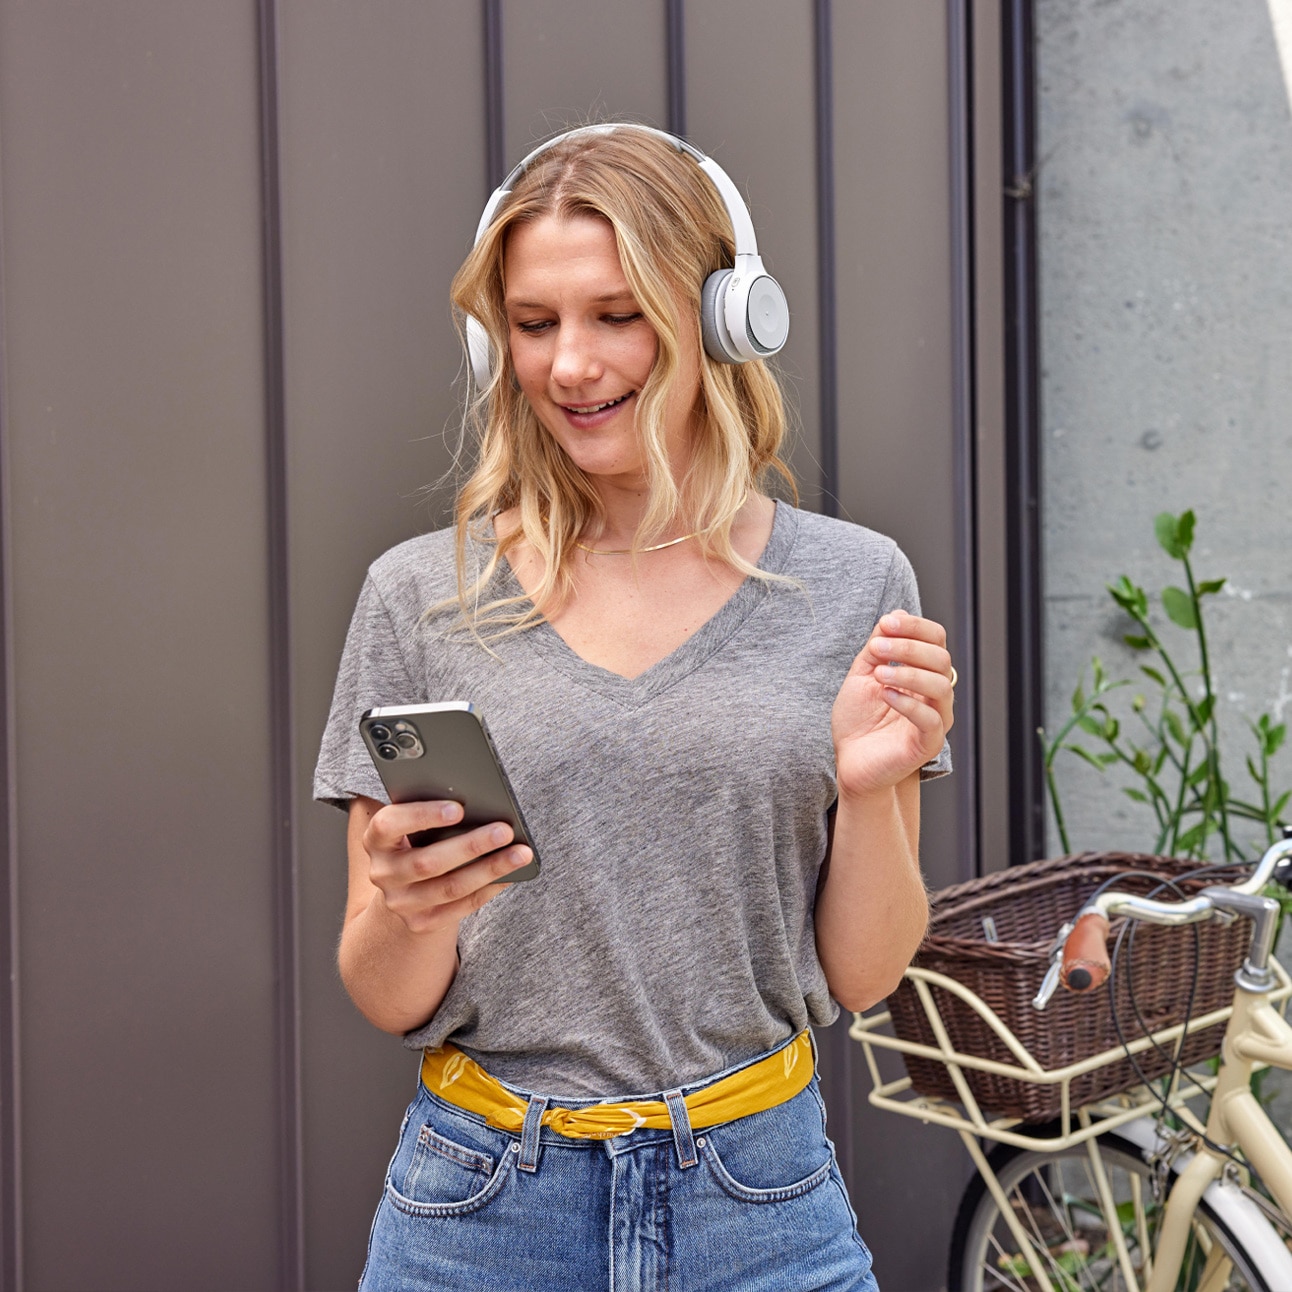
(587, 417)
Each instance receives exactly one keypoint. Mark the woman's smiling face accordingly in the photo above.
(582, 349)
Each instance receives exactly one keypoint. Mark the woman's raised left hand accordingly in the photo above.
(894, 708)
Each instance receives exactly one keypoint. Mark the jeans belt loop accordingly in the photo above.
(682, 1136)
(529, 1133)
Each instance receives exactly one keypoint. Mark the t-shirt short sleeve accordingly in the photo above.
(902, 593)
(374, 671)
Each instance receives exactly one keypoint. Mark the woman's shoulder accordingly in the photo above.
(419, 571)
(827, 547)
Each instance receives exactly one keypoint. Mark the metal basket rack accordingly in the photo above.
(1076, 1124)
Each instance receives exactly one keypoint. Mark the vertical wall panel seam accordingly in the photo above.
(828, 450)
(1022, 438)
(828, 348)
(963, 417)
(11, 1218)
(675, 44)
(495, 159)
(291, 1240)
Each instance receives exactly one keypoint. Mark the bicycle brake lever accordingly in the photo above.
(1050, 983)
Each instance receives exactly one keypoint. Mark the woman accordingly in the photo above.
(715, 711)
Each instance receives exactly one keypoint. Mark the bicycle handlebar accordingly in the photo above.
(1085, 963)
(1080, 956)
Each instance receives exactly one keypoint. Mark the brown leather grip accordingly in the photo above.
(1085, 954)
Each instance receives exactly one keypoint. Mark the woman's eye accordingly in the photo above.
(621, 319)
(533, 329)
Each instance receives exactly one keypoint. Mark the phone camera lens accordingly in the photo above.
(406, 740)
(388, 751)
(379, 733)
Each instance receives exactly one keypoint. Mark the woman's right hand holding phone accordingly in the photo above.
(441, 882)
(398, 951)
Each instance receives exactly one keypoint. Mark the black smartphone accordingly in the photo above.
(443, 751)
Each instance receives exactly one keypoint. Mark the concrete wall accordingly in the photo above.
(1165, 199)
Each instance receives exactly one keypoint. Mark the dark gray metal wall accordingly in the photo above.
(226, 236)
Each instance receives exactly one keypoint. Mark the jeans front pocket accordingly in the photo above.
(437, 1175)
(771, 1156)
(442, 1171)
(762, 1193)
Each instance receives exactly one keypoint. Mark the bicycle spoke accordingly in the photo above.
(1064, 1261)
(1000, 1270)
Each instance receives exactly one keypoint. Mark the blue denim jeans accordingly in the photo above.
(753, 1205)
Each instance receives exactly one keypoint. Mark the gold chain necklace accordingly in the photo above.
(627, 551)
(658, 547)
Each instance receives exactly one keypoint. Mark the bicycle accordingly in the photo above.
(1132, 1192)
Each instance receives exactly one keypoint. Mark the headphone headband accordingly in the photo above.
(744, 314)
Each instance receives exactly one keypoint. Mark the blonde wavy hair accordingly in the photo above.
(671, 230)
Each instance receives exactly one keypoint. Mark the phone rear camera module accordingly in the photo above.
(406, 740)
(388, 751)
(379, 733)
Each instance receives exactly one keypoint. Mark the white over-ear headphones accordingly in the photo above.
(743, 312)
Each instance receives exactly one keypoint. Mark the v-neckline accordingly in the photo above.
(544, 641)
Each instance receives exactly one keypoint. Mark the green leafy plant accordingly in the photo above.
(1170, 740)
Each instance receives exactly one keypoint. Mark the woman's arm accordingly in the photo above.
(398, 951)
(890, 718)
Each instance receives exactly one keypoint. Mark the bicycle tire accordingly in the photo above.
(983, 1258)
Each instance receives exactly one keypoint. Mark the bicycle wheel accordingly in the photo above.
(1055, 1198)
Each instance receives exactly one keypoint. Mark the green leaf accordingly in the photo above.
(1142, 762)
(1083, 752)
(1179, 607)
(1135, 794)
(1078, 699)
(1210, 586)
(1173, 726)
(1249, 811)
(1107, 759)
(1136, 643)
(1276, 810)
(1131, 598)
(1198, 775)
(1184, 530)
(1204, 709)
(1111, 728)
(1152, 674)
(1274, 739)
(1192, 838)
(1167, 529)
(1253, 773)
(1090, 726)
(1097, 668)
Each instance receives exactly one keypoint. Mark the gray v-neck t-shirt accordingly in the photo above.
(681, 815)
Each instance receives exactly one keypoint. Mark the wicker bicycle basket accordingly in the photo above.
(1027, 905)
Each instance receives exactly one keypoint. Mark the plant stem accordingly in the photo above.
(1054, 803)
(1213, 745)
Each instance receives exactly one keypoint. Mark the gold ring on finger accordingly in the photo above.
(955, 677)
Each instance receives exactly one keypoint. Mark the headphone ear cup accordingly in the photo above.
(480, 350)
(766, 316)
(713, 318)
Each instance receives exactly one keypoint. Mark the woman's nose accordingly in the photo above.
(575, 360)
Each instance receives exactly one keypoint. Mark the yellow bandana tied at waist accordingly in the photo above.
(461, 1081)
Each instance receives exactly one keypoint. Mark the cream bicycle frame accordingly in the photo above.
(1256, 1035)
